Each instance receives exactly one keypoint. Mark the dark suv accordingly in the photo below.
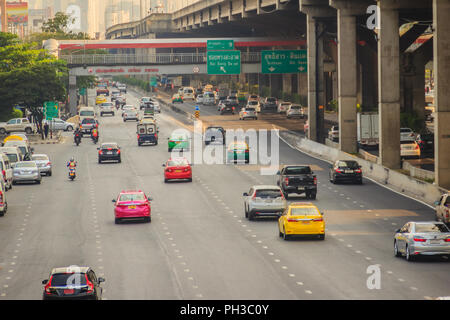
(109, 151)
(346, 170)
(72, 283)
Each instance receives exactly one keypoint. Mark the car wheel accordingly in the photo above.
(396, 252)
(139, 144)
(285, 236)
(38, 181)
(49, 174)
(166, 180)
(120, 160)
(286, 195)
(409, 257)
(308, 195)
(147, 219)
(99, 161)
(69, 128)
(170, 150)
(2, 131)
(312, 196)
(190, 180)
(116, 220)
(280, 234)
(321, 236)
(250, 216)
(28, 131)
(360, 181)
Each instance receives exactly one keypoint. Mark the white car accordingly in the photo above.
(43, 163)
(406, 134)
(199, 98)
(208, 98)
(294, 111)
(409, 149)
(126, 108)
(106, 107)
(283, 107)
(3, 202)
(254, 104)
(59, 124)
(6, 169)
(333, 134)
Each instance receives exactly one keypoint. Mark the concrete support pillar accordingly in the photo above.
(287, 83)
(389, 87)
(441, 66)
(347, 81)
(302, 84)
(315, 76)
(73, 94)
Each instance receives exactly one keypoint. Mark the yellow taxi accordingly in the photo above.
(100, 99)
(301, 218)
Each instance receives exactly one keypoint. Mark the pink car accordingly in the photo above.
(132, 205)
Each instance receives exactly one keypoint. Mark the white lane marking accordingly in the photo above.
(357, 251)
(389, 272)
(299, 283)
(349, 246)
(270, 253)
(291, 275)
(368, 258)
(265, 247)
(308, 291)
(284, 267)
(277, 260)
(413, 288)
(401, 280)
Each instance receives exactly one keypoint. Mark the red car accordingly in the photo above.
(177, 168)
(132, 205)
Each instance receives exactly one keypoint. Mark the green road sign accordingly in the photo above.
(220, 44)
(283, 61)
(51, 110)
(224, 62)
(153, 81)
(82, 91)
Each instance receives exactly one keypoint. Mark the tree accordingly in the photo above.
(29, 77)
(59, 24)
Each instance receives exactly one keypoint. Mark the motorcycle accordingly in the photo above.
(77, 139)
(94, 138)
(72, 174)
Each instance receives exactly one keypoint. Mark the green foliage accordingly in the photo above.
(144, 85)
(412, 120)
(28, 76)
(59, 24)
(17, 113)
(333, 105)
(86, 82)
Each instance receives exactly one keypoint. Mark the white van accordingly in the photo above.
(188, 93)
(13, 154)
(3, 202)
(5, 168)
(209, 98)
(86, 112)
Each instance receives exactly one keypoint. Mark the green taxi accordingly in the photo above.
(238, 151)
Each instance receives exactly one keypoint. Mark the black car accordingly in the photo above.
(109, 151)
(346, 170)
(72, 283)
(214, 134)
(229, 107)
(426, 143)
(297, 179)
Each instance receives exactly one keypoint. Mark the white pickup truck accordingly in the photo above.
(17, 124)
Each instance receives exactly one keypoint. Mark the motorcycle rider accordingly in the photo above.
(77, 134)
(94, 133)
(71, 165)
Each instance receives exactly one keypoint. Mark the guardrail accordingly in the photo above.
(156, 58)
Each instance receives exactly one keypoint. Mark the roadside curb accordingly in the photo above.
(409, 187)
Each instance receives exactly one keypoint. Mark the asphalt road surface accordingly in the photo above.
(199, 245)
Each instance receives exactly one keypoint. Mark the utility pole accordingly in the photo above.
(4, 16)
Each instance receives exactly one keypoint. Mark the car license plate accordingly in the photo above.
(435, 241)
(429, 142)
(269, 200)
(178, 170)
(131, 207)
(348, 171)
(305, 222)
(301, 188)
(68, 291)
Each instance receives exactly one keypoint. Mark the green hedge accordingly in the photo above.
(144, 85)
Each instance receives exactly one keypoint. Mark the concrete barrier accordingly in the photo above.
(407, 185)
(417, 172)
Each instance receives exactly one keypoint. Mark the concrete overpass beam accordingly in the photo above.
(441, 40)
(389, 87)
(287, 83)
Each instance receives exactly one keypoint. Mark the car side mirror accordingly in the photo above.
(98, 148)
(114, 200)
(312, 172)
(100, 280)
(45, 281)
(245, 194)
(278, 172)
(32, 149)
(149, 198)
(164, 165)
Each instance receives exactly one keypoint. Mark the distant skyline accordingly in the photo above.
(97, 15)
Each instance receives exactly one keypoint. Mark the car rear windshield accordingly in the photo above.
(27, 164)
(66, 279)
(132, 197)
(109, 146)
(253, 103)
(107, 104)
(405, 130)
(88, 121)
(250, 109)
(271, 100)
(268, 193)
(86, 113)
(39, 157)
(12, 157)
(145, 99)
(295, 107)
(177, 162)
(431, 227)
(348, 164)
(304, 211)
(407, 142)
(297, 170)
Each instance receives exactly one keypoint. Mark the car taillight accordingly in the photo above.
(292, 220)
(138, 136)
(246, 151)
(49, 163)
(233, 108)
(100, 152)
(420, 239)
(358, 171)
(447, 240)
(245, 112)
(169, 170)
(118, 151)
(315, 180)
(417, 147)
(1, 197)
(286, 181)
(4, 173)
(90, 284)
(109, 149)
(339, 170)
(318, 219)
(171, 141)
(47, 286)
(156, 135)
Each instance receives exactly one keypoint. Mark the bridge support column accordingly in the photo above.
(389, 87)
(441, 40)
(73, 95)
(347, 81)
(287, 83)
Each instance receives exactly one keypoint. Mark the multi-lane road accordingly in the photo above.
(199, 245)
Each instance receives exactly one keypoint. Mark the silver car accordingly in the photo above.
(422, 238)
(130, 115)
(294, 110)
(264, 200)
(248, 113)
(25, 171)
(43, 163)
(443, 209)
